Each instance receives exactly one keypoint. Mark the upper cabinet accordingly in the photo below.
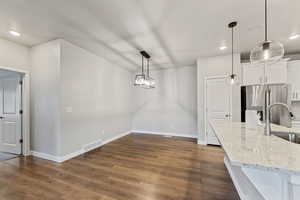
(276, 73)
(252, 74)
(293, 78)
(256, 73)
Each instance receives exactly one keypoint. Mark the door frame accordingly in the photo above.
(207, 78)
(25, 108)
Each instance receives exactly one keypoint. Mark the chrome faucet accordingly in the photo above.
(268, 124)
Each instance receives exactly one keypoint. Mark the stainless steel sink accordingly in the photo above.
(291, 137)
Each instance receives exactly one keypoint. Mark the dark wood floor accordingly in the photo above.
(135, 167)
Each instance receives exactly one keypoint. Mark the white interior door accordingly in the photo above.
(218, 95)
(10, 117)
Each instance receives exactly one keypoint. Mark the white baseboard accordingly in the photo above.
(71, 155)
(201, 142)
(164, 133)
(83, 150)
(116, 137)
(45, 156)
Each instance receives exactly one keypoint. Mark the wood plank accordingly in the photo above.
(135, 167)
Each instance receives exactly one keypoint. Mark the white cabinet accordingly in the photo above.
(253, 74)
(276, 73)
(296, 125)
(293, 71)
(258, 74)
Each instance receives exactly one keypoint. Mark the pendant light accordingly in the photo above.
(233, 77)
(140, 78)
(149, 82)
(144, 80)
(267, 51)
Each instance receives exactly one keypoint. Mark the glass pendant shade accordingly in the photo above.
(149, 83)
(144, 80)
(267, 52)
(139, 80)
(233, 79)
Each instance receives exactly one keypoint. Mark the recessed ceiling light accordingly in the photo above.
(15, 33)
(294, 36)
(223, 47)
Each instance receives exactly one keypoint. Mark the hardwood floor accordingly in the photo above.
(135, 167)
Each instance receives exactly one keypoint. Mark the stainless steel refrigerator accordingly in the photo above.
(253, 98)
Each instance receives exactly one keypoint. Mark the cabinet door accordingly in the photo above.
(276, 73)
(253, 74)
(293, 71)
(296, 125)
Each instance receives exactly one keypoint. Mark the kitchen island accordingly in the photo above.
(261, 167)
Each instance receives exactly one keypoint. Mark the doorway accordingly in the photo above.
(11, 120)
(217, 104)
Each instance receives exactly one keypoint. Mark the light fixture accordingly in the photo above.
(233, 77)
(267, 51)
(144, 80)
(293, 37)
(149, 82)
(15, 33)
(140, 78)
(223, 48)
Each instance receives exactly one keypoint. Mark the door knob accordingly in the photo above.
(1, 117)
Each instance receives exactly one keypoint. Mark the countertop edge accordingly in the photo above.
(253, 166)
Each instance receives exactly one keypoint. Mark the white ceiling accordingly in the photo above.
(174, 32)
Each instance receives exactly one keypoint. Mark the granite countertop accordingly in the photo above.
(251, 148)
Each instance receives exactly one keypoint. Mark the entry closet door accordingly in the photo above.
(10, 116)
(217, 105)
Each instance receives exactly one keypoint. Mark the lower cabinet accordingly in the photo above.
(254, 183)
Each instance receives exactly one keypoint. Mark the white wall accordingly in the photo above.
(78, 99)
(217, 66)
(14, 55)
(45, 99)
(171, 107)
(96, 99)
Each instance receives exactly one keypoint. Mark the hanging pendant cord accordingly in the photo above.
(142, 65)
(148, 67)
(266, 21)
(232, 50)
